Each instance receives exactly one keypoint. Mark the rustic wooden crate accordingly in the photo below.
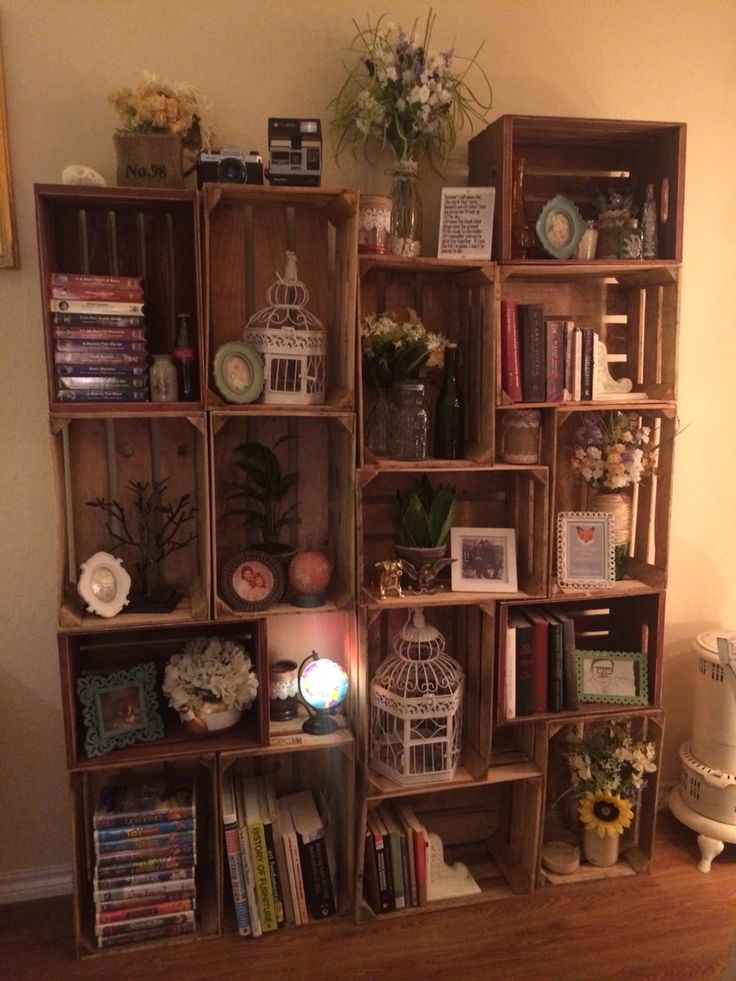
(632, 622)
(498, 497)
(560, 820)
(633, 308)
(468, 633)
(326, 769)
(649, 547)
(492, 827)
(92, 654)
(530, 159)
(96, 458)
(143, 232)
(452, 298)
(248, 230)
(84, 789)
(323, 454)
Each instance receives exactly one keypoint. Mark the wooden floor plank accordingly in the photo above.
(676, 924)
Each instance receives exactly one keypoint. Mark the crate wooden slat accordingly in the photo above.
(453, 298)
(530, 159)
(323, 454)
(615, 622)
(142, 232)
(102, 653)
(84, 788)
(248, 231)
(496, 497)
(96, 457)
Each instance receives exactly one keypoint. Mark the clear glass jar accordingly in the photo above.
(408, 431)
(164, 380)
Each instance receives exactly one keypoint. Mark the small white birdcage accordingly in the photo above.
(291, 341)
(416, 708)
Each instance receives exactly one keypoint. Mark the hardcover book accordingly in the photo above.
(82, 292)
(510, 353)
(571, 701)
(93, 280)
(103, 320)
(524, 663)
(382, 865)
(106, 307)
(393, 834)
(420, 844)
(532, 344)
(321, 900)
(555, 661)
(540, 642)
(100, 346)
(97, 332)
(554, 328)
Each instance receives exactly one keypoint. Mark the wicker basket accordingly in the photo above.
(149, 159)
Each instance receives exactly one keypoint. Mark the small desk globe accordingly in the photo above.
(323, 685)
(309, 575)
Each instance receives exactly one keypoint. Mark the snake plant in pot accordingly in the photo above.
(422, 520)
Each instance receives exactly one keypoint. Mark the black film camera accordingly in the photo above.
(229, 166)
(295, 152)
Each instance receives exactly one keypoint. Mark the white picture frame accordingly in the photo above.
(466, 223)
(485, 560)
(104, 584)
(586, 555)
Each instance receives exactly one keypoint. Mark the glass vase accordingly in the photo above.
(617, 503)
(406, 208)
(377, 422)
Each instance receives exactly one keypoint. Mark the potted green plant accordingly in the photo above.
(422, 520)
(264, 495)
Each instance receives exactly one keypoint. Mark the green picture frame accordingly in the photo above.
(612, 677)
(119, 709)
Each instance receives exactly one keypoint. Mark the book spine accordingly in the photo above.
(554, 362)
(568, 348)
(397, 869)
(94, 383)
(577, 365)
(145, 923)
(105, 917)
(99, 357)
(532, 342)
(384, 874)
(100, 346)
(589, 338)
(570, 673)
(98, 334)
(178, 840)
(96, 293)
(555, 699)
(524, 670)
(299, 892)
(111, 870)
(317, 882)
(168, 852)
(106, 307)
(510, 668)
(117, 817)
(90, 279)
(138, 936)
(237, 879)
(420, 861)
(510, 354)
(370, 873)
(261, 876)
(170, 877)
(148, 893)
(144, 830)
(540, 641)
(276, 887)
(109, 320)
(103, 395)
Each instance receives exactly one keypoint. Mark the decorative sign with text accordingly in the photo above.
(466, 223)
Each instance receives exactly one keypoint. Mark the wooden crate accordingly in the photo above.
(468, 633)
(84, 790)
(142, 232)
(561, 823)
(530, 159)
(499, 497)
(613, 623)
(452, 298)
(633, 308)
(491, 827)
(248, 230)
(84, 654)
(649, 546)
(323, 454)
(328, 771)
(98, 458)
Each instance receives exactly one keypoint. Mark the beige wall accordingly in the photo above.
(654, 60)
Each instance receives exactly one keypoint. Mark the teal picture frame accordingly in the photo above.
(612, 677)
(119, 709)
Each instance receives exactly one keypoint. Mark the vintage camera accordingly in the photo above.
(295, 152)
(229, 166)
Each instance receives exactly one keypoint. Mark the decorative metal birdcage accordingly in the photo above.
(416, 708)
(291, 341)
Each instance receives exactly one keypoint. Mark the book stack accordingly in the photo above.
(395, 858)
(546, 358)
(278, 854)
(99, 338)
(540, 670)
(145, 860)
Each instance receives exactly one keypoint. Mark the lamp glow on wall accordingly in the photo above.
(323, 685)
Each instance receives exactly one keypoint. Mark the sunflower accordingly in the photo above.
(605, 813)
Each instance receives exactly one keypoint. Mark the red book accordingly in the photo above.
(540, 644)
(95, 293)
(420, 843)
(525, 667)
(91, 280)
(510, 353)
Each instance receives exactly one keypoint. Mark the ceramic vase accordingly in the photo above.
(212, 718)
(602, 852)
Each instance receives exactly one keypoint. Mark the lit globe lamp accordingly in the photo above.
(309, 576)
(323, 685)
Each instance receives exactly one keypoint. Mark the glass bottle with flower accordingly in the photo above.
(612, 453)
(608, 768)
(410, 99)
(393, 351)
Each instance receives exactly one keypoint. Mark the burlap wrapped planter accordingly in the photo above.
(149, 159)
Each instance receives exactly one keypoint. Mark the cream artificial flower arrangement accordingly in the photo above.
(210, 669)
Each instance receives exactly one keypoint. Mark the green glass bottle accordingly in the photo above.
(449, 412)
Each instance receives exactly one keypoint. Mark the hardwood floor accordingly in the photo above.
(673, 925)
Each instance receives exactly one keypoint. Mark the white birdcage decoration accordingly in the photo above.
(416, 708)
(291, 341)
